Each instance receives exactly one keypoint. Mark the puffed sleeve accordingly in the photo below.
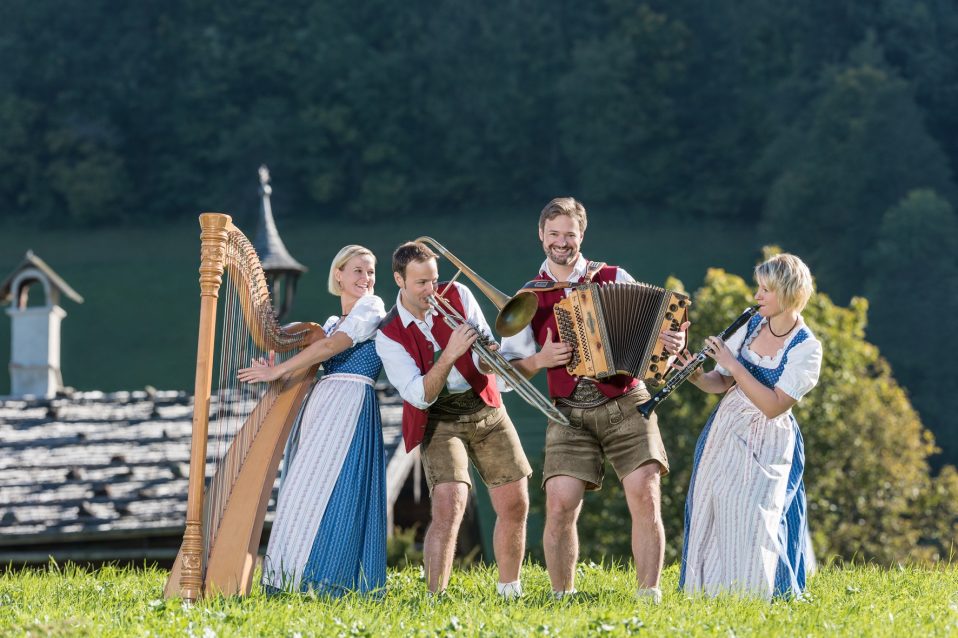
(802, 369)
(330, 323)
(734, 344)
(363, 320)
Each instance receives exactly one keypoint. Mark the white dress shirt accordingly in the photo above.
(523, 344)
(401, 368)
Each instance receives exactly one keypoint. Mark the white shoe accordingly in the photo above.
(567, 593)
(509, 591)
(649, 594)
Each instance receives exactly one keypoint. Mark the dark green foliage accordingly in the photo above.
(155, 110)
(859, 429)
(913, 274)
(860, 148)
(621, 89)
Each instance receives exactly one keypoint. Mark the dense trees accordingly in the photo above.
(861, 148)
(913, 276)
(810, 120)
(155, 109)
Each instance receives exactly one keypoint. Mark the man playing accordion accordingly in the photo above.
(604, 421)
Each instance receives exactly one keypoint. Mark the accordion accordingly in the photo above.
(615, 329)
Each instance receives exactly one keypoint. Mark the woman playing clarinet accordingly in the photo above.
(745, 520)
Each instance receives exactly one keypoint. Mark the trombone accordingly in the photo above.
(514, 315)
(515, 312)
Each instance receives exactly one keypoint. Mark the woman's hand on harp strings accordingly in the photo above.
(261, 370)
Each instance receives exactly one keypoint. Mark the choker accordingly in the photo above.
(784, 333)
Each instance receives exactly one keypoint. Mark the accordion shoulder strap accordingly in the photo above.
(592, 269)
(547, 285)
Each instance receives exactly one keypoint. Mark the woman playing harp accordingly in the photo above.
(238, 430)
(329, 534)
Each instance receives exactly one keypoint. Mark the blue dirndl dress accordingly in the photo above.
(746, 527)
(329, 535)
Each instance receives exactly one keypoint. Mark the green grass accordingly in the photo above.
(850, 601)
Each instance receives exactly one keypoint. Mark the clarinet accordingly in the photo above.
(681, 375)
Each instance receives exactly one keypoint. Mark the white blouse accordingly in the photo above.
(362, 321)
(804, 360)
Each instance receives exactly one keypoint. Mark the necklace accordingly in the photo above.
(784, 333)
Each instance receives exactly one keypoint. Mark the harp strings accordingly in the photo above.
(238, 409)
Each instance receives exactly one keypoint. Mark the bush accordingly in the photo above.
(870, 493)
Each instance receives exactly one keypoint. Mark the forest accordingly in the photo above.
(831, 128)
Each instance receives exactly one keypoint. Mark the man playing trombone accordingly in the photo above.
(453, 409)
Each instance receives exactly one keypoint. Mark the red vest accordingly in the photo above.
(561, 383)
(421, 350)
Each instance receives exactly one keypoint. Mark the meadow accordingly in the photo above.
(841, 601)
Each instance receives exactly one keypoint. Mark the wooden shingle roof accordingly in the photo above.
(98, 468)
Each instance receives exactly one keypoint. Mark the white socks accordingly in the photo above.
(559, 595)
(509, 591)
(650, 594)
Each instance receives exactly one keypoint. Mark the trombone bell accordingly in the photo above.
(515, 313)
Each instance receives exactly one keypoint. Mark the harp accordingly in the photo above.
(246, 432)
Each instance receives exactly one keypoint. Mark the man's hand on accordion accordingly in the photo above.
(553, 353)
(674, 340)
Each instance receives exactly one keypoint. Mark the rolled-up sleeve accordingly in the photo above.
(402, 371)
(622, 277)
(520, 345)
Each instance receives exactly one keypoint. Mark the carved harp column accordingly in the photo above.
(243, 443)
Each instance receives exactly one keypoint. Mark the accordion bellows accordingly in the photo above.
(615, 329)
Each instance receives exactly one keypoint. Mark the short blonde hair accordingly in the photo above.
(789, 278)
(340, 261)
(564, 206)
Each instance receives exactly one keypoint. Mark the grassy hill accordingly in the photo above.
(850, 601)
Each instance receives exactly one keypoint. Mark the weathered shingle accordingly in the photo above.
(97, 466)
